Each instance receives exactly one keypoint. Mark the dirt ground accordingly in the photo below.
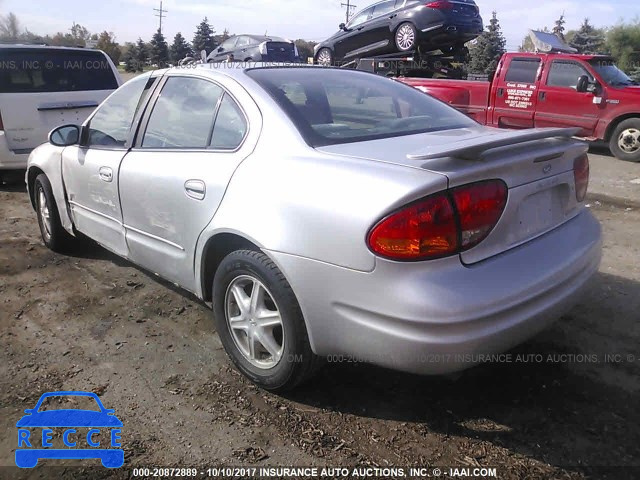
(94, 322)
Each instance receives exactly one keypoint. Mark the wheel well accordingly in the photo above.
(613, 125)
(31, 179)
(218, 247)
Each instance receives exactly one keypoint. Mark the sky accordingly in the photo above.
(308, 19)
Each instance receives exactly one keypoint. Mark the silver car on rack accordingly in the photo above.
(327, 213)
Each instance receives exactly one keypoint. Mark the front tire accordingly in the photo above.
(324, 57)
(406, 37)
(625, 140)
(260, 322)
(54, 236)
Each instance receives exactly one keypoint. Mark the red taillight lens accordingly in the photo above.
(479, 208)
(426, 229)
(442, 224)
(581, 176)
(440, 5)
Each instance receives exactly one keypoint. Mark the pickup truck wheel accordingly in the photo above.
(625, 141)
(54, 235)
(260, 323)
(406, 36)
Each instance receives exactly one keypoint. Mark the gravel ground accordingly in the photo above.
(94, 322)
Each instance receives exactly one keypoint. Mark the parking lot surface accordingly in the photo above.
(566, 400)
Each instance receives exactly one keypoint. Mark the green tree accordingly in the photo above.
(159, 54)
(107, 43)
(588, 39)
(179, 49)
(488, 48)
(623, 43)
(305, 49)
(79, 35)
(129, 58)
(141, 55)
(203, 39)
(559, 29)
(9, 27)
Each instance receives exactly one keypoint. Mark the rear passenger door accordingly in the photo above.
(377, 30)
(173, 181)
(514, 92)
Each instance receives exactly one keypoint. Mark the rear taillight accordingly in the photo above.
(1, 124)
(442, 224)
(581, 176)
(440, 5)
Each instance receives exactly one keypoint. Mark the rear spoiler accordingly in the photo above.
(476, 148)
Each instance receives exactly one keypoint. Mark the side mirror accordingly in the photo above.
(221, 49)
(65, 136)
(342, 26)
(583, 84)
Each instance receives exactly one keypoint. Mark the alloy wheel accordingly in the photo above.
(405, 37)
(254, 321)
(45, 215)
(629, 140)
(324, 57)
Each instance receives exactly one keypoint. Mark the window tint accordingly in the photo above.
(340, 106)
(183, 114)
(110, 125)
(360, 18)
(48, 70)
(230, 127)
(384, 7)
(523, 70)
(565, 74)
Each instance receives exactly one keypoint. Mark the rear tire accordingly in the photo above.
(260, 322)
(625, 140)
(406, 37)
(54, 236)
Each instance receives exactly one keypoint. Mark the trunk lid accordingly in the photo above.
(42, 88)
(536, 165)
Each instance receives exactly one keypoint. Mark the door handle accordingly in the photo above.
(542, 96)
(500, 92)
(195, 189)
(106, 174)
(393, 16)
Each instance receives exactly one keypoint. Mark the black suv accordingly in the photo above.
(392, 26)
(254, 48)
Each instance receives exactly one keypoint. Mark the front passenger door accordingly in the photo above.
(90, 170)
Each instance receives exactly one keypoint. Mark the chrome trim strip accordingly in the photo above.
(71, 202)
(154, 237)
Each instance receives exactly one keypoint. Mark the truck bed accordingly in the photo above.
(470, 97)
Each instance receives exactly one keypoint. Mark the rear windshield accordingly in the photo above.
(331, 106)
(48, 70)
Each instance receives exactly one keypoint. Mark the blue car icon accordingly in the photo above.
(71, 419)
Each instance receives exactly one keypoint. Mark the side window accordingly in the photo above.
(110, 125)
(523, 70)
(566, 74)
(384, 7)
(230, 127)
(183, 114)
(243, 42)
(361, 18)
(295, 93)
(230, 44)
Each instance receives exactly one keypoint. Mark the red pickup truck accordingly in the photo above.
(551, 90)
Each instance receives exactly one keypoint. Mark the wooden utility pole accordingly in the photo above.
(350, 8)
(161, 13)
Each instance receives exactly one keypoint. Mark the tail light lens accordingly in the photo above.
(442, 224)
(581, 176)
(440, 5)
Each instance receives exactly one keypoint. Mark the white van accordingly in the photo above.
(44, 87)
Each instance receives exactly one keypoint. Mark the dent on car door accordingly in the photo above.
(90, 170)
(173, 181)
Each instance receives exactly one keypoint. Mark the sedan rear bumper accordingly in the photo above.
(438, 317)
(10, 160)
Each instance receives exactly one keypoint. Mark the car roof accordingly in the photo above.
(26, 46)
(261, 38)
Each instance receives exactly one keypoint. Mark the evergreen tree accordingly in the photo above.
(141, 55)
(588, 39)
(559, 29)
(488, 49)
(159, 54)
(129, 58)
(180, 48)
(203, 39)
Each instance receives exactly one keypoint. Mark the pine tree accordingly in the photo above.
(179, 49)
(588, 39)
(141, 55)
(159, 54)
(203, 39)
(488, 49)
(559, 29)
(129, 58)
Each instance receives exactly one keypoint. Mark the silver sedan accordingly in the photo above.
(327, 213)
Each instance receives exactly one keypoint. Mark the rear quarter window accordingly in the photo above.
(49, 70)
